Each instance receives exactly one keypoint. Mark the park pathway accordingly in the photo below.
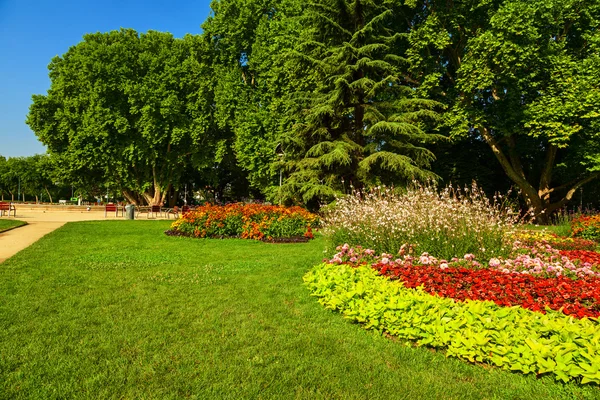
(39, 224)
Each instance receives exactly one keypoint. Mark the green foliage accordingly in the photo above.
(129, 110)
(249, 38)
(33, 176)
(511, 338)
(522, 76)
(361, 124)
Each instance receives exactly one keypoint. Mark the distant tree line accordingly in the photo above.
(298, 102)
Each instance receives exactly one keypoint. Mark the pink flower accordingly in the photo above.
(402, 249)
(385, 260)
(469, 257)
(494, 262)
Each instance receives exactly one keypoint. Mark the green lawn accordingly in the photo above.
(7, 224)
(116, 309)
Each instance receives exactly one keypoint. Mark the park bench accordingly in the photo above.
(6, 208)
(155, 210)
(110, 208)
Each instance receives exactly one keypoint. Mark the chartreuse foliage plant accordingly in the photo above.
(478, 331)
(246, 221)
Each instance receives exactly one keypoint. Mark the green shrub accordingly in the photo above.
(478, 331)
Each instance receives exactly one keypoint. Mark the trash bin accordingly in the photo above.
(129, 211)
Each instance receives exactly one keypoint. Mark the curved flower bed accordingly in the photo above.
(246, 221)
(579, 298)
(584, 256)
(478, 331)
(560, 243)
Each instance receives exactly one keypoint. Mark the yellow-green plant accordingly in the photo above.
(478, 331)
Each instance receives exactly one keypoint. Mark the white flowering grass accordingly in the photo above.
(448, 223)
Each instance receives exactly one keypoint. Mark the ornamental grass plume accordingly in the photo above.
(448, 223)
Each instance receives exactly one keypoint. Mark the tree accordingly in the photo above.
(252, 79)
(29, 176)
(521, 76)
(362, 123)
(127, 110)
(3, 180)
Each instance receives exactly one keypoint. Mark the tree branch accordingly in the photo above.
(571, 192)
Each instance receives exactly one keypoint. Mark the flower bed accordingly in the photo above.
(448, 223)
(479, 331)
(587, 227)
(584, 256)
(546, 280)
(560, 243)
(247, 221)
(579, 298)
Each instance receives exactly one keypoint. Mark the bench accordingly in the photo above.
(155, 210)
(110, 208)
(6, 208)
(174, 211)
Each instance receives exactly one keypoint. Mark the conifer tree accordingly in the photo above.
(362, 124)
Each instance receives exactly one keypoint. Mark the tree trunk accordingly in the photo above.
(537, 199)
(131, 197)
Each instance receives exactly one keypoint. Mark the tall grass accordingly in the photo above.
(561, 222)
(447, 223)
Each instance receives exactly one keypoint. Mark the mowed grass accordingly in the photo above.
(8, 224)
(116, 309)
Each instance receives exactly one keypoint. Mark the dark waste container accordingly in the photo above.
(129, 211)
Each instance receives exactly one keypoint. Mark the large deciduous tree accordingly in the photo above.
(249, 39)
(130, 110)
(522, 76)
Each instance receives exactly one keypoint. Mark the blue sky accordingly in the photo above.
(34, 31)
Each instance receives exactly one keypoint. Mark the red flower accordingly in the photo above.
(578, 298)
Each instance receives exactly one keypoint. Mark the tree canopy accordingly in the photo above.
(129, 109)
(523, 77)
(301, 101)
